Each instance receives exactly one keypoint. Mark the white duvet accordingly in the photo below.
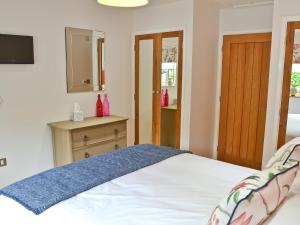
(182, 190)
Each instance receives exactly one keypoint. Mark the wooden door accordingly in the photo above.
(245, 77)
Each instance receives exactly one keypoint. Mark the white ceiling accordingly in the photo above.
(224, 3)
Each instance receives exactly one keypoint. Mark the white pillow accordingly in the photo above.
(296, 185)
(253, 200)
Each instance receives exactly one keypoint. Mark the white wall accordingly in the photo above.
(294, 105)
(238, 21)
(287, 10)
(36, 94)
(297, 37)
(258, 18)
(205, 42)
(172, 17)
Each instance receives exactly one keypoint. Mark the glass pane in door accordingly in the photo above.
(169, 81)
(145, 91)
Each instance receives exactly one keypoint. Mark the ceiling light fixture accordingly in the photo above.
(123, 3)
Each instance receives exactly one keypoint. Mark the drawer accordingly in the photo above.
(90, 151)
(98, 134)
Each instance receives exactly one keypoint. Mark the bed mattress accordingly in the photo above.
(182, 190)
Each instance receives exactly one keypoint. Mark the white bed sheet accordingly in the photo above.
(182, 190)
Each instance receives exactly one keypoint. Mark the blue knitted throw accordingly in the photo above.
(44, 190)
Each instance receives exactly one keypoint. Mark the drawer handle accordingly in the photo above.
(85, 138)
(117, 147)
(116, 131)
(87, 155)
(87, 81)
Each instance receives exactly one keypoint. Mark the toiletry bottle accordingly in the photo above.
(166, 98)
(99, 107)
(106, 111)
(162, 98)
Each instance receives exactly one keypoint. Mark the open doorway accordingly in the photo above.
(290, 104)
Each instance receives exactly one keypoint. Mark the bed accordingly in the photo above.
(182, 190)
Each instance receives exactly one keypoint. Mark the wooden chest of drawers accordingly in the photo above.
(74, 141)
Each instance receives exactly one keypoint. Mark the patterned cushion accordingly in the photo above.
(257, 197)
(291, 150)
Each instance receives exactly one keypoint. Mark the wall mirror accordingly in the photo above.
(85, 60)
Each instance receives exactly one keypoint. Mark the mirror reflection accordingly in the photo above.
(146, 61)
(295, 80)
(293, 123)
(169, 77)
(85, 60)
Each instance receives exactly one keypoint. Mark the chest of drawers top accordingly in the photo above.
(87, 122)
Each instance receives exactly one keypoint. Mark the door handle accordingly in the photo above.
(155, 92)
(87, 81)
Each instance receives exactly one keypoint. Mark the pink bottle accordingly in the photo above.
(162, 98)
(106, 111)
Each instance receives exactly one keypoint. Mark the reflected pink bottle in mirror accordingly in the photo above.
(166, 98)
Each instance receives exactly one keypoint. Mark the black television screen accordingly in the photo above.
(16, 49)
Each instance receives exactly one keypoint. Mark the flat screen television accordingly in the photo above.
(16, 49)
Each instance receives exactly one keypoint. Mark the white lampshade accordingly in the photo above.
(123, 3)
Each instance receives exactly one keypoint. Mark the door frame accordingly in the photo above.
(100, 46)
(286, 83)
(224, 38)
(157, 59)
